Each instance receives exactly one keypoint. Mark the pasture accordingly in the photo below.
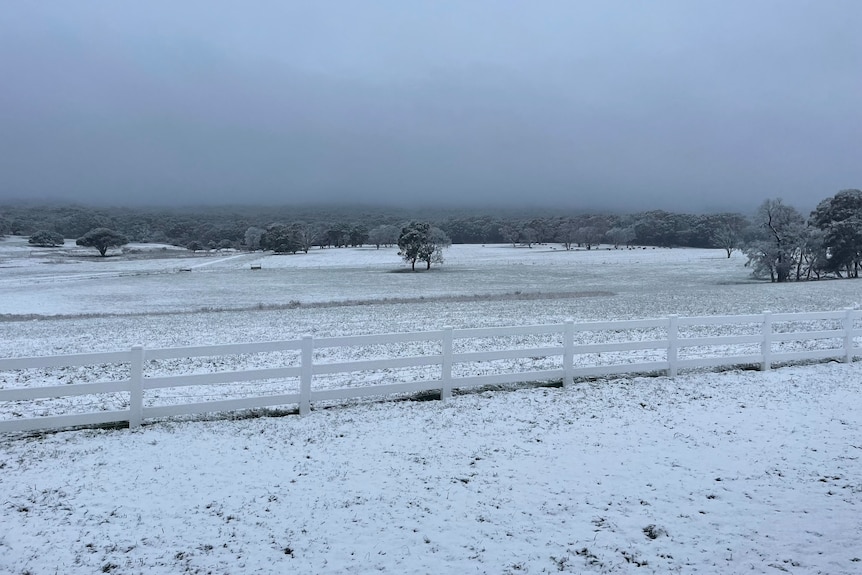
(708, 472)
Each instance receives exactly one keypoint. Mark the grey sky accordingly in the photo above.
(688, 105)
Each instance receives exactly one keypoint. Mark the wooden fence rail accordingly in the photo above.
(591, 349)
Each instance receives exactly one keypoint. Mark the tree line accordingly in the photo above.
(294, 230)
(779, 241)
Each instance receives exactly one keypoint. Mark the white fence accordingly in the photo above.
(448, 359)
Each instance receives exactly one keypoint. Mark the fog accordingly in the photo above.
(707, 105)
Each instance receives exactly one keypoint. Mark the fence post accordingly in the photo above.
(136, 387)
(849, 323)
(446, 364)
(568, 352)
(766, 345)
(672, 344)
(305, 373)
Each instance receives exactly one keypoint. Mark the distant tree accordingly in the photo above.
(567, 233)
(840, 219)
(102, 239)
(281, 239)
(383, 235)
(528, 236)
(510, 232)
(337, 235)
(46, 239)
(726, 232)
(194, 246)
(618, 235)
(358, 236)
(251, 238)
(589, 236)
(306, 234)
(418, 241)
(224, 244)
(543, 230)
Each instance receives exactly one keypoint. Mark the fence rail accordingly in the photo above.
(591, 349)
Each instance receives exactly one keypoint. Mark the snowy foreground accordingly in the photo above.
(733, 472)
(739, 472)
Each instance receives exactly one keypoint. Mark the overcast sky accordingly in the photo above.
(689, 105)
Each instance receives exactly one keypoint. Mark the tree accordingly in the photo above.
(102, 239)
(567, 233)
(776, 247)
(358, 236)
(510, 232)
(46, 239)
(306, 234)
(281, 239)
(420, 242)
(194, 246)
(384, 235)
(840, 219)
(621, 235)
(589, 236)
(727, 235)
(251, 238)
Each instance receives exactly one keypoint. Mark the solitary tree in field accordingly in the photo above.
(46, 239)
(102, 239)
(725, 231)
(420, 242)
(776, 248)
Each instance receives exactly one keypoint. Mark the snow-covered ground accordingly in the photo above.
(730, 472)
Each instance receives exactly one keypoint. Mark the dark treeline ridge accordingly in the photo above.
(781, 243)
(212, 227)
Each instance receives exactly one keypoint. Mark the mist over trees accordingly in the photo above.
(781, 243)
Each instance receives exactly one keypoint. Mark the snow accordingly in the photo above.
(738, 471)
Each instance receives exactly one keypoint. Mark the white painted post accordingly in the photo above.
(446, 363)
(849, 322)
(568, 352)
(766, 345)
(672, 344)
(306, 371)
(136, 387)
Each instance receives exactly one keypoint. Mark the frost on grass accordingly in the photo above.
(714, 473)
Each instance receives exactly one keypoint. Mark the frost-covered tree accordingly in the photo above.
(46, 239)
(251, 238)
(619, 235)
(776, 247)
(418, 241)
(567, 233)
(281, 239)
(102, 239)
(840, 219)
(383, 235)
(727, 232)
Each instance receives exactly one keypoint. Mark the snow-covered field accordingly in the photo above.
(730, 472)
